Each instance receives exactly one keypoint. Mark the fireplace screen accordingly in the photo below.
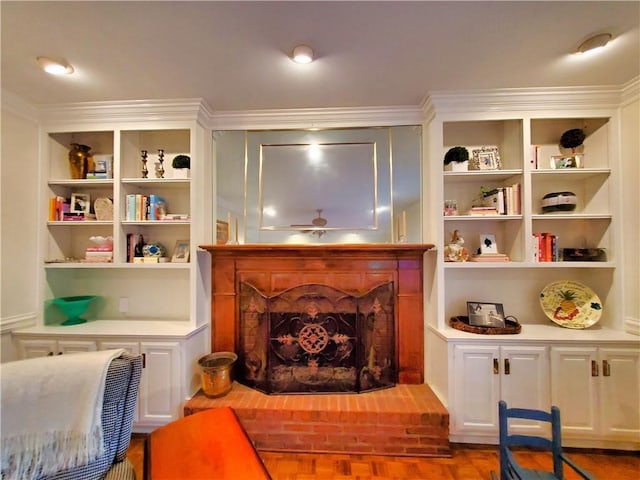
(316, 339)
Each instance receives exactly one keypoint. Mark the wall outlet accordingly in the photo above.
(124, 305)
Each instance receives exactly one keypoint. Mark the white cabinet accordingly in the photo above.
(169, 359)
(47, 347)
(160, 386)
(485, 374)
(598, 391)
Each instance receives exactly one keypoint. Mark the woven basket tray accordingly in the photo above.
(462, 323)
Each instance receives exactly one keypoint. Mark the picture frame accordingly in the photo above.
(561, 162)
(80, 203)
(222, 232)
(484, 314)
(486, 158)
(181, 252)
(488, 243)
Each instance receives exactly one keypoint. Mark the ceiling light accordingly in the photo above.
(55, 67)
(302, 54)
(591, 43)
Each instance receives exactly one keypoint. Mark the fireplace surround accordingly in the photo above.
(283, 273)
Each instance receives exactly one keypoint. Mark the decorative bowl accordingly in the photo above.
(74, 307)
(559, 202)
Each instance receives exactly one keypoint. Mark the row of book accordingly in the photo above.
(500, 201)
(145, 207)
(60, 210)
(59, 207)
(546, 247)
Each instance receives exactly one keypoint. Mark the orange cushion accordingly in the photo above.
(207, 445)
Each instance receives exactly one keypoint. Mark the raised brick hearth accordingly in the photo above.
(403, 420)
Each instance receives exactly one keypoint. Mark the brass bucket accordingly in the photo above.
(215, 373)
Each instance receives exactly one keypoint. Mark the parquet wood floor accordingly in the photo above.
(466, 463)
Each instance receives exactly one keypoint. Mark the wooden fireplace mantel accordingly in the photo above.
(353, 268)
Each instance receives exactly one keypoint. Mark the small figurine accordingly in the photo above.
(454, 251)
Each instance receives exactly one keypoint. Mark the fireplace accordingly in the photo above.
(315, 338)
(296, 314)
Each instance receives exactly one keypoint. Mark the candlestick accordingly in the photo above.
(236, 236)
(161, 160)
(145, 171)
(403, 227)
(404, 224)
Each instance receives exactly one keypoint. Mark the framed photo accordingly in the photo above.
(559, 162)
(80, 203)
(488, 243)
(485, 314)
(486, 158)
(222, 232)
(181, 252)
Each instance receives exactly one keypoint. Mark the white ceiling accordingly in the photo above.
(234, 54)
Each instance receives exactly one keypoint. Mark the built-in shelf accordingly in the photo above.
(480, 175)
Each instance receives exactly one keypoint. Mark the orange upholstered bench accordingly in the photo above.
(207, 445)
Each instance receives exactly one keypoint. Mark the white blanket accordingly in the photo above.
(52, 412)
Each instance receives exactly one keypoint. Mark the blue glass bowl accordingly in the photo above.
(74, 307)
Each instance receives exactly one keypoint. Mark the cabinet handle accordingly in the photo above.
(59, 353)
(144, 360)
(50, 354)
(507, 367)
(496, 366)
(594, 368)
(606, 368)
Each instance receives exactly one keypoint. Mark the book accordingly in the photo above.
(97, 260)
(100, 248)
(489, 257)
(495, 198)
(98, 254)
(483, 211)
(130, 214)
(157, 207)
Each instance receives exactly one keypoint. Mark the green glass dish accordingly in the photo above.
(74, 307)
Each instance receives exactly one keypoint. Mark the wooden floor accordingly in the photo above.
(467, 463)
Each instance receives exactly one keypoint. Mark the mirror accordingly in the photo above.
(328, 187)
(320, 186)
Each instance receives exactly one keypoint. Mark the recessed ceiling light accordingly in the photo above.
(302, 54)
(55, 66)
(591, 43)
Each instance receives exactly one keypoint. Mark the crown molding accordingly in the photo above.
(134, 111)
(518, 99)
(316, 118)
(631, 91)
(14, 104)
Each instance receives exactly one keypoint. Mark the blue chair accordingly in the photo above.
(509, 467)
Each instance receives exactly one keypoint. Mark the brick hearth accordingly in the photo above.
(403, 420)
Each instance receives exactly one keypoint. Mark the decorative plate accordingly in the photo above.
(571, 304)
(153, 250)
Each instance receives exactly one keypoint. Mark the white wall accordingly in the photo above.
(18, 213)
(630, 128)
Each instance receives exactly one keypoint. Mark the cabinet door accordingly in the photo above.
(160, 383)
(620, 393)
(574, 383)
(131, 347)
(76, 346)
(477, 385)
(36, 348)
(524, 383)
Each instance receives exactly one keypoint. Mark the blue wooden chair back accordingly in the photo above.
(509, 467)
